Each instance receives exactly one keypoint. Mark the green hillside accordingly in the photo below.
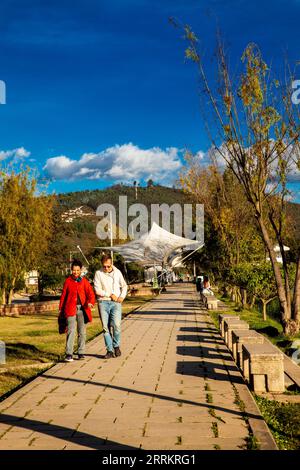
(82, 229)
(146, 195)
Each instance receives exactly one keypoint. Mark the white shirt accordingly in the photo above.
(106, 283)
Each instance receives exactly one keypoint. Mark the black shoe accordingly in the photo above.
(69, 358)
(117, 351)
(109, 355)
(81, 356)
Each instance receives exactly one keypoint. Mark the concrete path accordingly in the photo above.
(174, 387)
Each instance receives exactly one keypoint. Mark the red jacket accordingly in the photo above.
(68, 300)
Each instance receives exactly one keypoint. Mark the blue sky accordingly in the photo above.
(98, 91)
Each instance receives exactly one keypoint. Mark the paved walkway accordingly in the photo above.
(174, 387)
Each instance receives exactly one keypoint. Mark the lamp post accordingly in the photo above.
(111, 237)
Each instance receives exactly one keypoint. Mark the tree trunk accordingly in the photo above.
(10, 291)
(285, 308)
(235, 294)
(239, 297)
(296, 296)
(10, 296)
(264, 304)
(40, 286)
(244, 298)
(253, 301)
(3, 297)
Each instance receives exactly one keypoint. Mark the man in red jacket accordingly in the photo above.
(76, 301)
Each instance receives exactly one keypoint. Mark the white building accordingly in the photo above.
(31, 278)
(278, 256)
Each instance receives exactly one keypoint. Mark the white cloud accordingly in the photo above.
(200, 155)
(17, 154)
(291, 156)
(120, 162)
(21, 153)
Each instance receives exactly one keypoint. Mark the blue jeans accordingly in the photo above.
(111, 314)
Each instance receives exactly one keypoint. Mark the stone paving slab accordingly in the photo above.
(174, 387)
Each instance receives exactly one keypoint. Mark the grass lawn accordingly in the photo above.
(34, 339)
(283, 420)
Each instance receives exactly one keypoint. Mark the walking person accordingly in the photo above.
(206, 286)
(111, 290)
(76, 301)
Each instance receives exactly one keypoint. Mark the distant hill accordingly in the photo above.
(146, 195)
(78, 209)
(293, 211)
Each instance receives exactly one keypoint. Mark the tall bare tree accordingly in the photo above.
(255, 131)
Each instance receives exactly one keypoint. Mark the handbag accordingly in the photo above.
(62, 324)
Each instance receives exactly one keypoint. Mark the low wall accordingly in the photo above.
(136, 290)
(29, 308)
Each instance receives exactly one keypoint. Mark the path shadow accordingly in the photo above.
(209, 370)
(97, 356)
(200, 339)
(163, 320)
(269, 330)
(203, 352)
(152, 395)
(205, 367)
(61, 432)
(27, 351)
(175, 310)
(196, 329)
(161, 311)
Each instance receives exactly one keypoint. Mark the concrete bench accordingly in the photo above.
(263, 367)
(221, 321)
(233, 324)
(240, 337)
(210, 301)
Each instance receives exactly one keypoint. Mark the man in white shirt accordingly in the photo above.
(111, 290)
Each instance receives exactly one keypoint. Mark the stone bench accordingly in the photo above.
(233, 324)
(221, 322)
(240, 337)
(263, 367)
(210, 301)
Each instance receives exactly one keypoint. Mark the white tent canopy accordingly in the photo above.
(155, 246)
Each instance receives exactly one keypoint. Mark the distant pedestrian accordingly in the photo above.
(76, 302)
(206, 286)
(111, 290)
(199, 284)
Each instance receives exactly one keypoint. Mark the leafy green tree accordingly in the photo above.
(261, 283)
(257, 280)
(25, 228)
(53, 281)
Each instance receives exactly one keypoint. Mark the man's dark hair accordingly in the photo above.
(105, 257)
(76, 262)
